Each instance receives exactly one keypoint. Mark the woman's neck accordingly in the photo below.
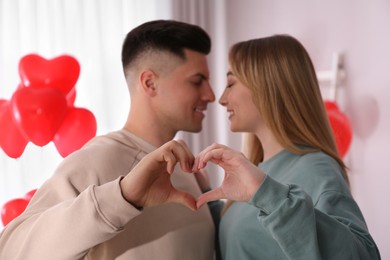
(269, 143)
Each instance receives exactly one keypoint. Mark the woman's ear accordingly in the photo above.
(149, 82)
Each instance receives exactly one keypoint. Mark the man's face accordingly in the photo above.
(184, 93)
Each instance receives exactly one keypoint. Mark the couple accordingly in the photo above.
(288, 197)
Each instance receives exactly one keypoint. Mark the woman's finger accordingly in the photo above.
(200, 162)
(212, 195)
(183, 198)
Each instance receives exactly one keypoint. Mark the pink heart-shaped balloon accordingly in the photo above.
(39, 112)
(61, 72)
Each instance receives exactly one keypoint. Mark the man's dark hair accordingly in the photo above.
(164, 35)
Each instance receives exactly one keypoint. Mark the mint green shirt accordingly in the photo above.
(303, 210)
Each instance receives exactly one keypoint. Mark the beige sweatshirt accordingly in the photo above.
(79, 213)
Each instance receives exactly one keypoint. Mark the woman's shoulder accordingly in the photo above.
(318, 172)
(320, 162)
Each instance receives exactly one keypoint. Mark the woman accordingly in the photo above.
(296, 204)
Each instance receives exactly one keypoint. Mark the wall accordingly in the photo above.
(359, 30)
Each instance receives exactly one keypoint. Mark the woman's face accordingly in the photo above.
(237, 98)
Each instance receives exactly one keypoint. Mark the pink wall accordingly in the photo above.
(361, 31)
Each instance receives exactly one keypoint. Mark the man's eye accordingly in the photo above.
(197, 83)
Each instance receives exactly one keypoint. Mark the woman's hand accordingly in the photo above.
(242, 178)
(148, 184)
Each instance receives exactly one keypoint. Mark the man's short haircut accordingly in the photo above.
(164, 35)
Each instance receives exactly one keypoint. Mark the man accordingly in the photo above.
(91, 208)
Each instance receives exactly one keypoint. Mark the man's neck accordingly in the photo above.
(149, 132)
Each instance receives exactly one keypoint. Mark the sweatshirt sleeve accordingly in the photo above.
(332, 228)
(66, 229)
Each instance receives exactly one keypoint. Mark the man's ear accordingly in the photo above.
(148, 80)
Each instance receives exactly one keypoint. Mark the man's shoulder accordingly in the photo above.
(102, 159)
(114, 139)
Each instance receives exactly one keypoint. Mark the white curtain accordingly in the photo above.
(92, 31)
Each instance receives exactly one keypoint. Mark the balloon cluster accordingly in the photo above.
(15, 207)
(341, 127)
(42, 108)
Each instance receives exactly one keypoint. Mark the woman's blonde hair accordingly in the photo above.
(281, 76)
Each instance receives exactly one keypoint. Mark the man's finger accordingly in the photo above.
(184, 156)
(191, 157)
(171, 161)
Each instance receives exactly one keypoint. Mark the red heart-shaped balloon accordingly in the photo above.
(12, 209)
(2, 101)
(39, 113)
(341, 127)
(61, 72)
(71, 97)
(78, 127)
(30, 194)
(330, 105)
(12, 141)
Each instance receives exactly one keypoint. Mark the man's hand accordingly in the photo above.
(148, 184)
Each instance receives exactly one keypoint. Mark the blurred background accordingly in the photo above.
(92, 32)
